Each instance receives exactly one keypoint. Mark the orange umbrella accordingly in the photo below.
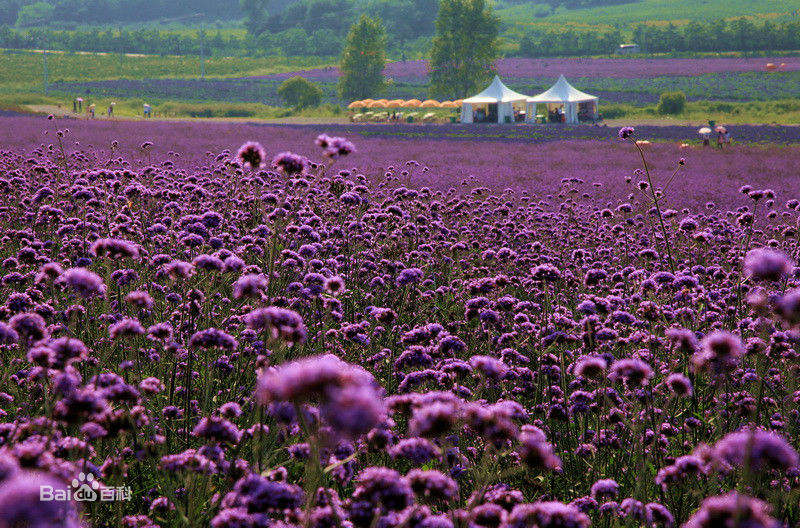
(367, 101)
(356, 104)
(459, 102)
(448, 104)
(381, 101)
(395, 102)
(429, 103)
(376, 104)
(411, 103)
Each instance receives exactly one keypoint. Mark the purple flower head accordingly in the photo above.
(546, 515)
(351, 402)
(28, 326)
(634, 372)
(434, 419)
(334, 147)
(605, 489)
(140, 299)
(766, 450)
(161, 331)
(279, 323)
(217, 429)
(126, 327)
(432, 485)
(190, 460)
(290, 163)
(7, 334)
(490, 367)
(66, 350)
(213, 338)
(590, 367)
(252, 155)
(250, 285)
(260, 495)
(353, 410)
(21, 503)
(409, 276)
(679, 384)
(788, 307)
(114, 249)
(334, 285)
(381, 489)
(625, 132)
(767, 264)
(535, 452)
(732, 510)
(84, 282)
(719, 352)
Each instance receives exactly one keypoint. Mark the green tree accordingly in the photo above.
(255, 15)
(464, 48)
(38, 14)
(671, 103)
(325, 43)
(299, 92)
(405, 20)
(363, 59)
(294, 42)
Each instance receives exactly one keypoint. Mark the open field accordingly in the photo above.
(398, 332)
(713, 87)
(653, 11)
(736, 90)
(22, 69)
(520, 68)
(534, 158)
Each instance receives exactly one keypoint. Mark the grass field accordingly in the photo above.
(23, 71)
(649, 11)
(101, 79)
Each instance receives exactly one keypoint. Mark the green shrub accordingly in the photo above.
(238, 112)
(299, 92)
(205, 112)
(721, 107)
(671, 103)
(613, 111)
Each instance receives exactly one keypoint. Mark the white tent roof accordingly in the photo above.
(562, 92)
(497, 92)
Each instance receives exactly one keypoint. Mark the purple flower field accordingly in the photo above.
(410, 71)
(233, 326)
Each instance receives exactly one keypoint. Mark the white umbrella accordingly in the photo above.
(704, 131)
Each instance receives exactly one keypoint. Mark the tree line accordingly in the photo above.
(116, 11)
(740, 34)
(719, 35)
(328, 21)
(149, 41)
(291, 42)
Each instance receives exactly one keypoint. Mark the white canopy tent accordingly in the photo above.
(496, 104)
(566, 97)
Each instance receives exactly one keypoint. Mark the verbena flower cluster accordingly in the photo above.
(303, 345)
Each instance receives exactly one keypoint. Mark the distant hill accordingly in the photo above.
(626, 15)
(113, 12)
